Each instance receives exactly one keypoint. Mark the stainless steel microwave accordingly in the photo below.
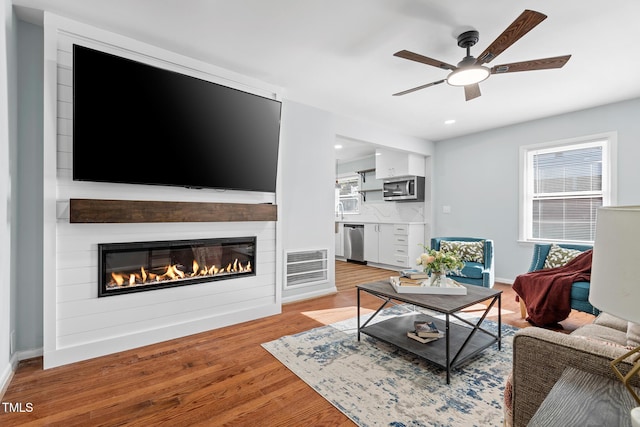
(403, 189)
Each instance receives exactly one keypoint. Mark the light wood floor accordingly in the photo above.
(220, 377)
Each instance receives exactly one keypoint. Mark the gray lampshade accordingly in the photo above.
(615, 268)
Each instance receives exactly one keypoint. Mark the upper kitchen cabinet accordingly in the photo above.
(390, 163)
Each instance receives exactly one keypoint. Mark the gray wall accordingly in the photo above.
(7, 144)
(477, 175)
(28, 197)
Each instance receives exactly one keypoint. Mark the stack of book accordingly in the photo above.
(414, 274)
(425, 332)
(412, 277)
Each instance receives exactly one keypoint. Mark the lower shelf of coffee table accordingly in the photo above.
(394, 331)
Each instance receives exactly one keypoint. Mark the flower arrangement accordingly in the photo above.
(440, 262)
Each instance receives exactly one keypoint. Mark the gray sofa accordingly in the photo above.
(541, 355)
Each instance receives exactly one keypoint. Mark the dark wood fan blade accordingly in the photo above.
(535, 64)
(418, 88)
(471, 91)
(518, 28)
(424, 60)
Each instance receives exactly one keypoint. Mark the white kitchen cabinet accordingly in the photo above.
(386, 244)
(398, 245)
(390, 163)
(339, 239)
(371, 242)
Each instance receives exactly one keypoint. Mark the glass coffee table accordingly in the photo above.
(463, 339)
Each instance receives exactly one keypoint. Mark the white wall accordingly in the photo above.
(307, 174)
(379, 135)
(477, 176)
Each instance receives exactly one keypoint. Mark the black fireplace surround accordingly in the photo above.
(144, 266)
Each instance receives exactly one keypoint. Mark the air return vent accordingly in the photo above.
(304, 268)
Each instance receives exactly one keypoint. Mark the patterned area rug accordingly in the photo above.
(376, 384)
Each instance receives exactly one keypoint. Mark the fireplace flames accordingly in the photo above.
(175, 272)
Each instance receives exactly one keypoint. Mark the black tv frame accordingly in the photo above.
(173, 129)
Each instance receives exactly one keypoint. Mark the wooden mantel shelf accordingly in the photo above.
(139, 211)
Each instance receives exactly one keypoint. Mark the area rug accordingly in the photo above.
(377, 384)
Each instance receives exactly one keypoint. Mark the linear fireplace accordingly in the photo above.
(142, 266)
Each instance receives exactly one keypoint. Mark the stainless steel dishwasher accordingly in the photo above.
(354, 242)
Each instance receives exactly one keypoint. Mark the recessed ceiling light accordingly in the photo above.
(337, 146)
(449, 122)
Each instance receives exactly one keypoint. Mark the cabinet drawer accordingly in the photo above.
(400, 240)
(401, 229)
(400, 260)
(402, 250)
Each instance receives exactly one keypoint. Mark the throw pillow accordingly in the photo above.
(559, 256)
(467, 251)
(633, 334)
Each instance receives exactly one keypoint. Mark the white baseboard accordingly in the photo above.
(7, 373)
(5, 378)
(503, 280)
(309, 295)
(28, 354)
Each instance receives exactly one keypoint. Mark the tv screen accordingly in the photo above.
(136, 123)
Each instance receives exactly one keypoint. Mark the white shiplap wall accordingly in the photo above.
(78, 324)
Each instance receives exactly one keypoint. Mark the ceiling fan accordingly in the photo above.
(471, 71)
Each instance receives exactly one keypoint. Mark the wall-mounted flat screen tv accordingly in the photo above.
(136, 123)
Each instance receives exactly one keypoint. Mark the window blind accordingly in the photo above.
(567, 191)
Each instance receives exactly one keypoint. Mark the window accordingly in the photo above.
(563, 184)
(348, 195)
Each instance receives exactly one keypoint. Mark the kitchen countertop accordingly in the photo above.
(358, 221)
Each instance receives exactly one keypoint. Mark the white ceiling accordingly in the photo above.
(338, 54)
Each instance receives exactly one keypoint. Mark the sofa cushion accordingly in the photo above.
(467, 251)
(633, 334)
(603, 334)
(559, 256)
(472, 270)
(580, 291)
(609, 321)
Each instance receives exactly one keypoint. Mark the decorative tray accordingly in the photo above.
(453, 288)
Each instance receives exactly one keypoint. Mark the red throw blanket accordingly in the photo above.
(547, 293)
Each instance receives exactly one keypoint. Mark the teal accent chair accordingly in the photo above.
(579, 290)
(473, 273)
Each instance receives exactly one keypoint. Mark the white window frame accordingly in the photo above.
(354, 196)
(607, 140)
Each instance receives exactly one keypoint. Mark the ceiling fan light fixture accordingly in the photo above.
(468, 75)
